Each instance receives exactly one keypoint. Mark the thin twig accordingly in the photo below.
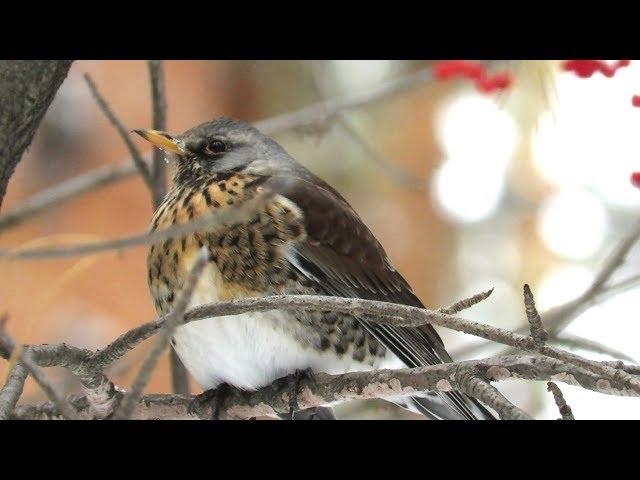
(159, 114)
(565, 410)
(7, 344)
(400, 175)
(164, 337)
(394, 314)
(304, 116)
(612, 375)
(139, 162)
(12, 390)
(575, 341)
(82, 363)
(558, 318)
(568, 311)
(390, 168)
(327, 110)
(76, 360)
(65, 191)
(205, 222)
(535, 323)
(179, 376)
(559, 322)
(470, 383)
(466, 303)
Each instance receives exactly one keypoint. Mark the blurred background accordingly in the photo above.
(467, 191)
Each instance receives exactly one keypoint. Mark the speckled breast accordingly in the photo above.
(247, 258)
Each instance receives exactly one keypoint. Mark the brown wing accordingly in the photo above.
(342, 255)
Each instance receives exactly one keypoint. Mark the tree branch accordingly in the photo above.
(159, 115)
(138, 161)
(466, 303)
(327, 110)
(64, 191)
(8, 346)
(172, 321)
(179, 376)
(12, 389)
(207, 222)
(575, 341)
(324, 389)
(565, 410)
(470, 383)
(27, 88)
(558, 318)
(393, 314)
(535, 323)
(316, 112)
(608, 377)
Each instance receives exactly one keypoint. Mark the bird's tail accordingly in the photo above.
(316, 413)
(448, 406)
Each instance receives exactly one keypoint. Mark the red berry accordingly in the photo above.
(445, 70)
(635, 179)
(502, 80)
(586, 68)
(635, 100)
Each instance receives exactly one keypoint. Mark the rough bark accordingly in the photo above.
(27, 88)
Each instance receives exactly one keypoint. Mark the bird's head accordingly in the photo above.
(217, 146)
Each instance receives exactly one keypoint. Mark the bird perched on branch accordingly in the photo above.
(285, 232)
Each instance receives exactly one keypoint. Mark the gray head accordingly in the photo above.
(221, 145)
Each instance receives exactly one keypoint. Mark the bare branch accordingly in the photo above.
(537, 329)
(138, 161)
(471, 384)
(327, 110)
(558, 318)
(8, 345)
(179, 377)
(609, 376)
(164, 337)
(65, 191)
(159, 114)
(632, 369)
(324, 389)
(575, 341)
(206, 222)
(84, 364)
(305, 116)
(565, 410)
(394, 314)
(27, 88)
(466, 303)
(12, 390)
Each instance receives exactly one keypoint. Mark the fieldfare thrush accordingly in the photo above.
(304, 238)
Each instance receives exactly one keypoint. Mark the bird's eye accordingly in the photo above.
(214, 147)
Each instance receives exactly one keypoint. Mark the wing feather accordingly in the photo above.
(342, 255)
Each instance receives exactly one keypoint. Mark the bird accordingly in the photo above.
(285, 231)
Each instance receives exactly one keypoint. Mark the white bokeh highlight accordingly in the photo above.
(573, 224)
(478, 140)
(590, 137)
(562, 284)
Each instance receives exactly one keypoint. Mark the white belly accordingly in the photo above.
(249, 350)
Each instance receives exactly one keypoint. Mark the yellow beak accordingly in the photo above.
(162, 140)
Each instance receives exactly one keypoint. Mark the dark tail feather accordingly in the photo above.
(317, 413)
(449, 406)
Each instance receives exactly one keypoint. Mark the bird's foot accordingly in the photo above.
(294, 380)
(213, 398)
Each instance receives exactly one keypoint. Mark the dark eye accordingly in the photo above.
(214, 147)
